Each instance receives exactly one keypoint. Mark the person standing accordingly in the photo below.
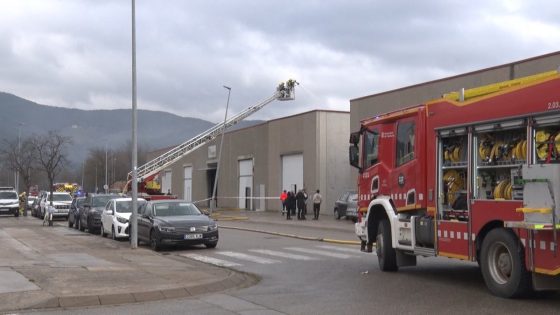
(283, 197)
(290, 204)
(300, 201)
(317, 199)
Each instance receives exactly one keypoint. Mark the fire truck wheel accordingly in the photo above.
(503, 264)
(386, 254)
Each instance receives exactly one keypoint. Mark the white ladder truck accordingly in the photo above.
(284, 92)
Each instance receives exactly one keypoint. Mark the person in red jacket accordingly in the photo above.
(283, 197)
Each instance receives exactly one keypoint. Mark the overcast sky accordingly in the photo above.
(77, 54)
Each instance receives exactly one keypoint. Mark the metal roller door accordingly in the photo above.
(292, 172)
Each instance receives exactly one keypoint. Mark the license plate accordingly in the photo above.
(192, 236)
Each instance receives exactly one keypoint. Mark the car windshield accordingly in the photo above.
(175, 209)
(62, 197)
(8, 195)
(100, 201)
(126, 206)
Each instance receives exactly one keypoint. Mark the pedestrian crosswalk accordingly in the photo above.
(269, 256)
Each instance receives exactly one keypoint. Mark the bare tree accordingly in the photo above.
(50, 154)
(20, 158)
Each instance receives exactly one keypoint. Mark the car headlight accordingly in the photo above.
(166, 228)
(122, 220)
(213, 227)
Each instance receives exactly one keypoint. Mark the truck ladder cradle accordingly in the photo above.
(283, 93)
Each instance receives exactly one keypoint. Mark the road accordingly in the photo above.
(309, 277)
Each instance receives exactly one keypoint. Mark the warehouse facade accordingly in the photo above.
(308, 150)
(373, 105)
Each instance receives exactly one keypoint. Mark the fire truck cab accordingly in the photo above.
(474, 175)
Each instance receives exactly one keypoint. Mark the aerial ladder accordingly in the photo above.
(284, 92)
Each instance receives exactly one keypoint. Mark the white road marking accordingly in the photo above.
(256, 259)
(282, 254)
(211, 260)
(355, 251)
(319, 252)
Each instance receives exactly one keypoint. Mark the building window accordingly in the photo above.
(405, 142)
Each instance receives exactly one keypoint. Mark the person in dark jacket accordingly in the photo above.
(290, 204)
(300, 201)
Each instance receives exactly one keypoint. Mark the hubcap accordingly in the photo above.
(500, 262)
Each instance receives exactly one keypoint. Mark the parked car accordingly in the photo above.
(9, 201)
(61, 203)
(165, 222)
(90, 216)
(74, 213)
(347, 206)
(30, 201)
(115, 218)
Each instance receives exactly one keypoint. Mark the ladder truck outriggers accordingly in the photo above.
(474, 175)
(147, 173)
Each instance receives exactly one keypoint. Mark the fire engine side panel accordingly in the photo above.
(452, 238)
(545, 257)
(484, 211)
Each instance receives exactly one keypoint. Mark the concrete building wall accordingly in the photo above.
(320, 136)
(372, 105)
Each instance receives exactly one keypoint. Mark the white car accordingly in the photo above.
(61, 203)
(115, 218)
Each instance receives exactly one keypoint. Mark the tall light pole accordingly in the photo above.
(134, 180)
(105, 187)
(213, 200)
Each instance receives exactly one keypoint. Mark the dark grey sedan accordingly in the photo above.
(347, 206)
(167, 222)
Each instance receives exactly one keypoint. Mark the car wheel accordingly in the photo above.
(113, 235)
(154, 241)
(211, 244)
(503, 264)
(336, 214)
(16, 213)
(80, 227)
(386, 254)
(70, 223)
(102, 231)
(354, 220)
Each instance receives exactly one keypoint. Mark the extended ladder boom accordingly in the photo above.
(284, 92)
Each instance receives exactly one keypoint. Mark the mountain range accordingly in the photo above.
(97, 128)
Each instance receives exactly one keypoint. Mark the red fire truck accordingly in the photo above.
(474, 175)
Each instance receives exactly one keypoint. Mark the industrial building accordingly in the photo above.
(307, 150)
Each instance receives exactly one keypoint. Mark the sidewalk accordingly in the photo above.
(49, 267)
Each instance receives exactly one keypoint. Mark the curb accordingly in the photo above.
(236, 279)
(308, 238)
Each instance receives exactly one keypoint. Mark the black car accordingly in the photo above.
(163, 222)
(347, 206)
(90, 216)
(74, 213)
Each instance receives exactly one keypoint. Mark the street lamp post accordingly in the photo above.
(105, 186)
(134, 180)
(213, 201)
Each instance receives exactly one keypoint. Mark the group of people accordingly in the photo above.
(292, 201)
